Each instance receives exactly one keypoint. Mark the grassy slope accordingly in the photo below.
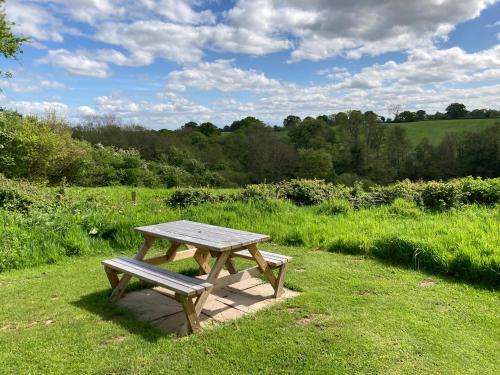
(435, 130)
(366, 317)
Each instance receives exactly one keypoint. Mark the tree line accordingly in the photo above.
(341, 148)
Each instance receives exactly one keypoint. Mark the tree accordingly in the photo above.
(421, 115)
(246, 122)
(208, 129)
(394, 109)
(315, 164)
(456, 110)
(10, 44)
(407, 116)
(290, 121)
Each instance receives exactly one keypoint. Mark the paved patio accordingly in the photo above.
(159, 307)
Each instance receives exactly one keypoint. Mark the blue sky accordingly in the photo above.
(161, 63)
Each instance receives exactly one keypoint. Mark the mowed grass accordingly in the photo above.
(434, 131)
(354, 315)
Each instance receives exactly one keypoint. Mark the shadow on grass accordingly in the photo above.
(411, 254)
(98, 303)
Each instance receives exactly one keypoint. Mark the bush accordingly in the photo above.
(20, 195)
(477, 190)
(305, 192)
(194, 197)
(441, 195)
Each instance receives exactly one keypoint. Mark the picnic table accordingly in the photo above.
(202, 241)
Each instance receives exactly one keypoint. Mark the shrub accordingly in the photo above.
(441, 195)
(20, 195)
(259, 192)
(194, 197)
(477, 190)
(305, 192)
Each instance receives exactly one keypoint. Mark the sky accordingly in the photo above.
(162, 63)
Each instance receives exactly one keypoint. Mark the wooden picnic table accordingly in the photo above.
(202, 241)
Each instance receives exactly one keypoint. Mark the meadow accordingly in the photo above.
(435, 130)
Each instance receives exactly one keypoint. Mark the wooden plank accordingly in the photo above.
(263, 265)
(211, 278)
(178, 276)
(216, 232)
(234, 278)
(271, 258)
(204, 235)
(181, 238)
(179, 283)
(279, 290)
(172, 251)
(179, 255)
(122, 284)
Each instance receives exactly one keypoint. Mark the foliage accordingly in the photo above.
(195, 197)
(10, 44)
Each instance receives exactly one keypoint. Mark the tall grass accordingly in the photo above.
(460, 242)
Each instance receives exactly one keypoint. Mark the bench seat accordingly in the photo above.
(274, 260)
(180, 284)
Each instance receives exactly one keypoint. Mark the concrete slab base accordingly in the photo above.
(158, 306)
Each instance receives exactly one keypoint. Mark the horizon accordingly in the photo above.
(163, 63)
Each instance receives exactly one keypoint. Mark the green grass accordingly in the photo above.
(461, 242)
(434, 131)
(365, 317)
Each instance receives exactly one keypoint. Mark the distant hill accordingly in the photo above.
(435, 130)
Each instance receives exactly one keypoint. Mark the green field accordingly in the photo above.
(435, 130)
(369, 307)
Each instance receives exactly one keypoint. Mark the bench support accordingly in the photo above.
(192, 321)
(119, 288)
(280, 282)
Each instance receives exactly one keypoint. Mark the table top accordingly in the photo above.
(206, 236)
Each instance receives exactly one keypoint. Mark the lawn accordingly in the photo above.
(354, 315)
(435, 130)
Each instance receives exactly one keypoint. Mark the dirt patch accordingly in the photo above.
(427, 284)
(304, 321)
(48, 322)
(300, 269)
(118, 338)
(8, 327)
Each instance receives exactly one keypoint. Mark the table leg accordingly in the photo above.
(231, 267)
(122, 284)
(201, 257)
(192, 320)
(211, 278)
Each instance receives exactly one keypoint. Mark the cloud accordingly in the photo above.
(223, 76)
(23, 85)
(36, 107)
(77, 63)
(325, 28)
(34, 21)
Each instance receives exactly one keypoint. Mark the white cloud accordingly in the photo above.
(34, 21)
(77, 63)
(327, 28)
(221, 75)
(23, 85)
(37, 107)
